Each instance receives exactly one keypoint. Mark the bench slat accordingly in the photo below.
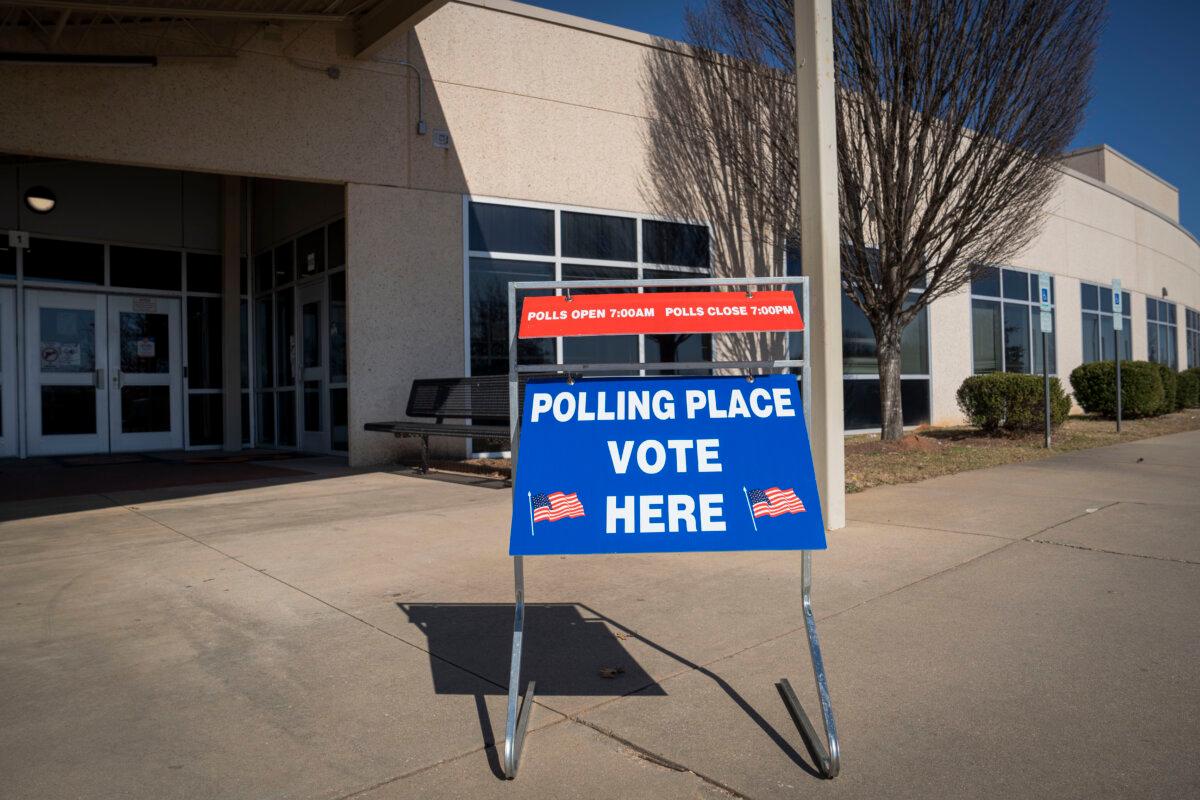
(482, 399)
(435, 429)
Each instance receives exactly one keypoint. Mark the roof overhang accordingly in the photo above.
(74, 28)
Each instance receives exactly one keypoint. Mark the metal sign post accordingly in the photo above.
(1118, 326)
(563, 403)
(1047, 321)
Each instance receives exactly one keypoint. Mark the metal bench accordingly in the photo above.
(482, 402)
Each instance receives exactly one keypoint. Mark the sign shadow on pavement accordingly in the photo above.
(586, 657)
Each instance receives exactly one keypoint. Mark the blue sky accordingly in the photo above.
(1145, 102)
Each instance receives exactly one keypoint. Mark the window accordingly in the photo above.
(674, 243)
(60, 260)
(599, 236)
(860, 368)
(143, 268)
(1006, 322)
(517, 243)
(1098, 334)
(1192, 319)
(860, 365)
(1160, 333)
(204, 273)
(510, 229)
(283, 398)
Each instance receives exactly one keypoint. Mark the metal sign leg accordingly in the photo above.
(828, 760)
(517, 722)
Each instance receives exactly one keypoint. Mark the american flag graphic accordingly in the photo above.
(774, 501)
(555, 506)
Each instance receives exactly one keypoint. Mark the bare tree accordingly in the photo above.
(952, 116)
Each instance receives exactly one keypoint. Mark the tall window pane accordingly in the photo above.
(1016, 338)
(266, 417)
(489, 279)
(264, 271)
(914, 346)
(1106, 337)
(336, 243)
(285, 412)
(1091, 338)
(206, 420)
(673, 346)
(985, 336)
(1037, 342)
(510, 229)
(285, 263)
(204, 342)
(337, 327)
(263, 351)
(598, 349)
(285, 340)
(858, 341)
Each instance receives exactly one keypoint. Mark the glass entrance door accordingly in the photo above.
(8, 373)
(65, 367)
(104, 373)
(313, 359)
(145, 404)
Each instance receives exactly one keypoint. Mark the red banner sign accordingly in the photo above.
(660, 312)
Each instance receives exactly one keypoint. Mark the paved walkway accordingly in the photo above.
(1026, 631)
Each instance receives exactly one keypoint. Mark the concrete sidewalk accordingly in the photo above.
(1025, 631)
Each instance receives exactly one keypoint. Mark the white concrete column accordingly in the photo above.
(819, 248)
(231, 309)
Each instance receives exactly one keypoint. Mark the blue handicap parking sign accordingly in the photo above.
(653, 465)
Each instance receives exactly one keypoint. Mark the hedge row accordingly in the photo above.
(1147, 389)
(1013, 402)
(1189, 388)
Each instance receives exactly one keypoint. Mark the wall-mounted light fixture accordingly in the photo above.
(40, 200)
(1165, 292)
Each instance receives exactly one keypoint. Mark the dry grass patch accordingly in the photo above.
(931, 452)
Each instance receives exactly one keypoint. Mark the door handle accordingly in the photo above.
(118, 379)
(99, 378)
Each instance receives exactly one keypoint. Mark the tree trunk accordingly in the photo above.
(890, 411)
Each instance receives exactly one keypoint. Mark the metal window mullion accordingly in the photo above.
(597, 262)
(558, 276)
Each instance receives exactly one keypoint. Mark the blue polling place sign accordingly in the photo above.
(664, 465)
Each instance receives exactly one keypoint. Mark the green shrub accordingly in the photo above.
(1004, 400)
(1189, 388)
(1170, 382)
(1095, 387)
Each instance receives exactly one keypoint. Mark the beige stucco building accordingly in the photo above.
(263, 235)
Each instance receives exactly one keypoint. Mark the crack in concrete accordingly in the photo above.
(1084, 547)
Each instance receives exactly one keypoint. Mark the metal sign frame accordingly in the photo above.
(519, 709)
